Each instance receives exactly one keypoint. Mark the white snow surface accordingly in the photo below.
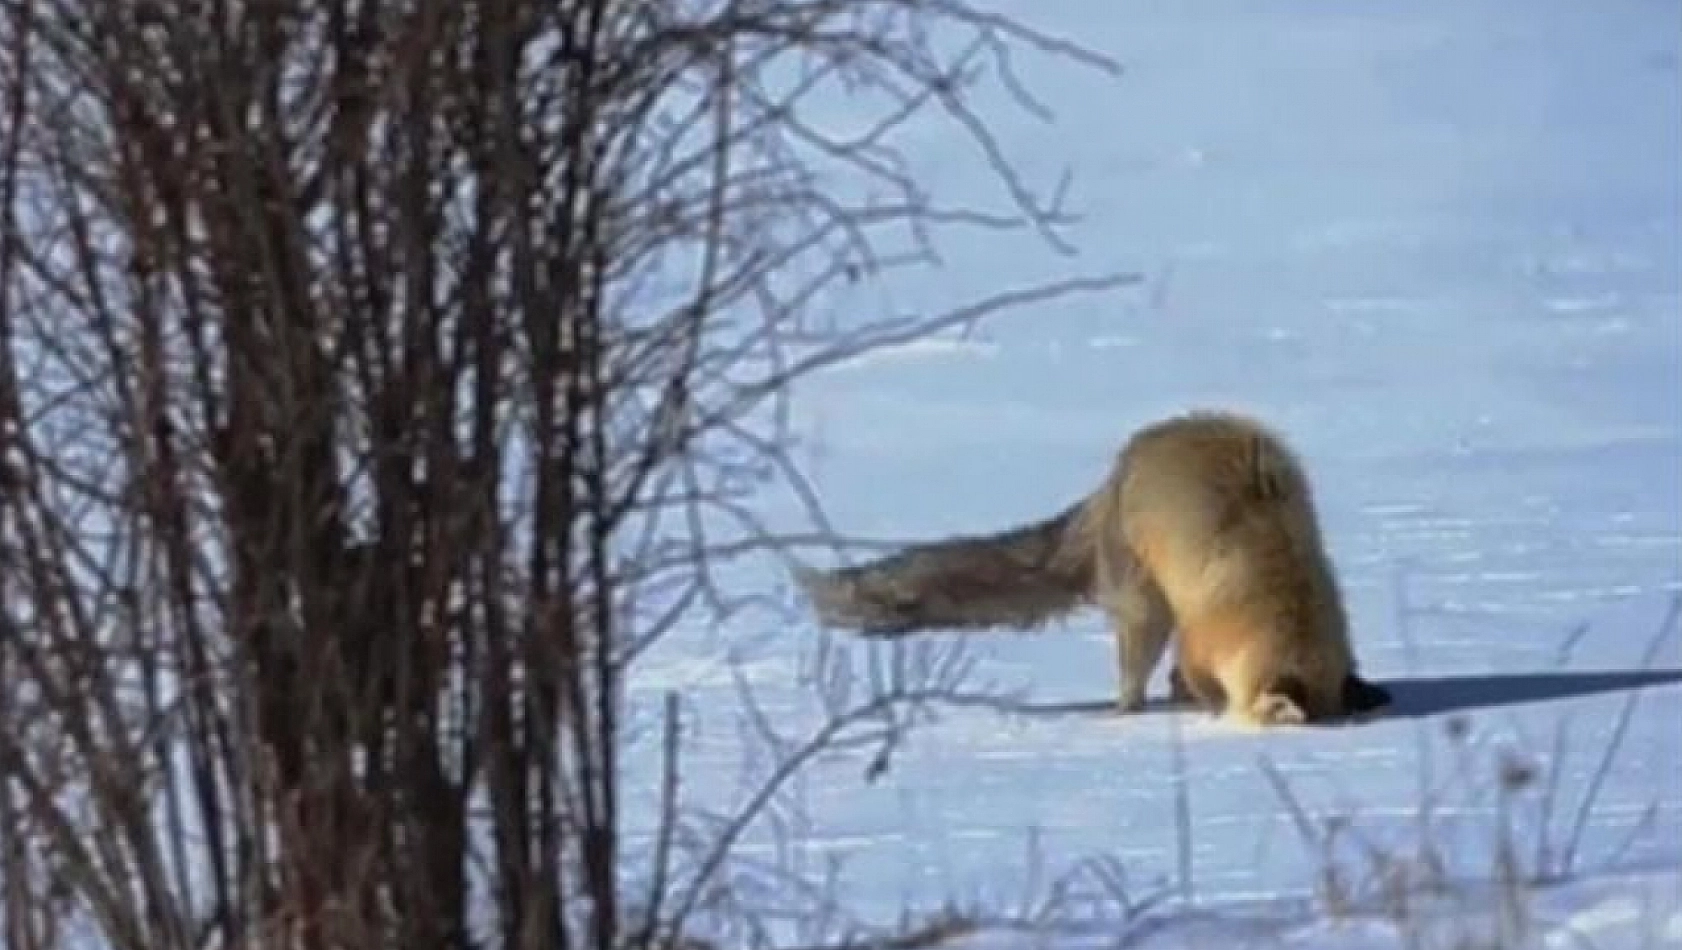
(1438, 244)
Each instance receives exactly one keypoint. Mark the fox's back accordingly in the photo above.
(1215, 502)
(1218, 510)
(1193, 478)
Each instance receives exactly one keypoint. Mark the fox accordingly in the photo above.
(1205, 527)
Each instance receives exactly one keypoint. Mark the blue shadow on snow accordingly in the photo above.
(1441, 695)
(1411, 698)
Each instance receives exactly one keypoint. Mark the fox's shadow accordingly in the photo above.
(1422, 697)
(1441, 695)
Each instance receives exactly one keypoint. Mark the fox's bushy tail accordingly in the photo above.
(1019, 578)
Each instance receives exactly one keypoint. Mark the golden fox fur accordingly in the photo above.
(1206, 525)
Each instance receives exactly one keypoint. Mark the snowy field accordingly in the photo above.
(1439, 245)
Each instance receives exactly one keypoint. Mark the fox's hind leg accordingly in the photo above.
(1207, 693)
(1142, 624)
(1190, 686)
(1178, 691)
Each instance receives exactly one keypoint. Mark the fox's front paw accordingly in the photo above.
(1274, 709)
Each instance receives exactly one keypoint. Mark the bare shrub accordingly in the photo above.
(379, 380)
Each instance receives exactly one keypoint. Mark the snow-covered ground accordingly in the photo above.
(1439, 245)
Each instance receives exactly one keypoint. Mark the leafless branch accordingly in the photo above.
(379, 382)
